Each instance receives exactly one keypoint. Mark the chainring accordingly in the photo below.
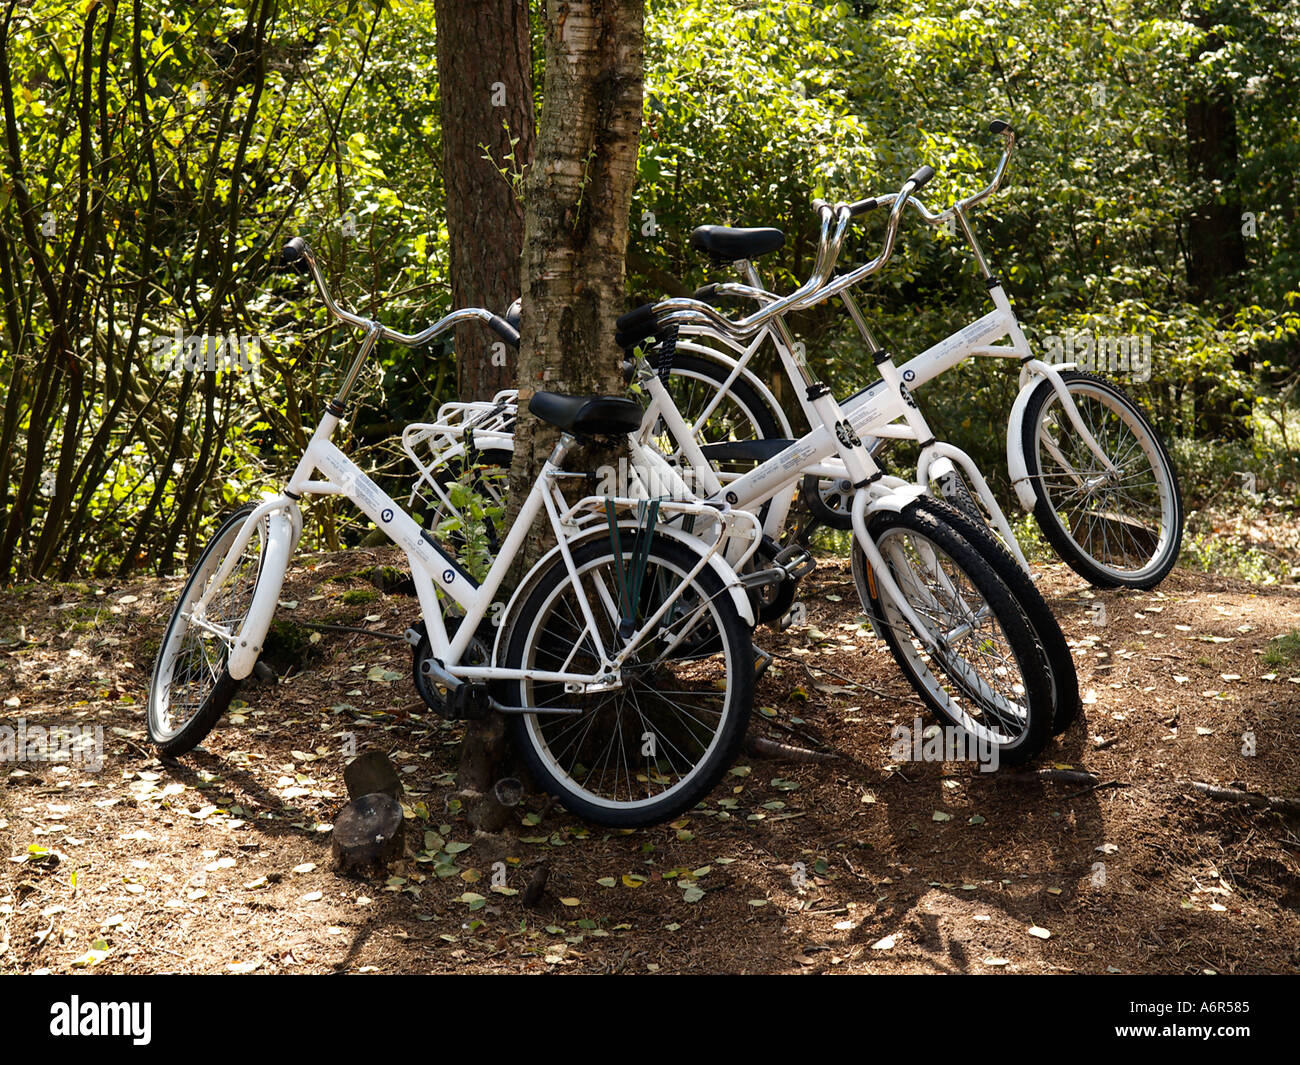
(476, 654)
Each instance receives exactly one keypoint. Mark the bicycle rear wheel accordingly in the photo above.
(981, 667)
(1121, 529)
(652, 747)
(191, 688)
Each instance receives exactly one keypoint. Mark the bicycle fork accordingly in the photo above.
(864, 473)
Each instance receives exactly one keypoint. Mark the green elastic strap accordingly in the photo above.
(631, 572)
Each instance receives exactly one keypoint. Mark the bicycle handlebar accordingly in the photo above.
(935, 218)
(297, 249)
(687, 311)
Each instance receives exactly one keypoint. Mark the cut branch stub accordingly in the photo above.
(371, 773)
(493, 810)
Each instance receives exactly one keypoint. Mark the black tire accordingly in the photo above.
(543, 635)
(204, 684)
(1017, 724)
(1047, 630)
(1154, 550)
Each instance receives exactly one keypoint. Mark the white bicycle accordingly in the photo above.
(1081, 454)
(672, 453)
(973, 644)
(622, 660)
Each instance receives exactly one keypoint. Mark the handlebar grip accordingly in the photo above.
(504, 330)
(705, 293)
(920, 177)
(863, 206)
(293, 250)
(635, 318)
(999, 126)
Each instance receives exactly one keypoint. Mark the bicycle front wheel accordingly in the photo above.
(1115, 529)
(654, 745)
(191, 688)
(978, 664)
(1066, 706)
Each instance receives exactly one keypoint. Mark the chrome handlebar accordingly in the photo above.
(297, 249)
(819, 288)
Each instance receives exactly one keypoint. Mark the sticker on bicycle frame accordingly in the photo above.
(387, 515)
(448, 575)
(907, 396)
(909, 376)
(846, 436)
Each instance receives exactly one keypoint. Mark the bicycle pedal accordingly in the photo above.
(454, 699)
(762, 578)
(470, 702)
(762, 659)
(796, 561)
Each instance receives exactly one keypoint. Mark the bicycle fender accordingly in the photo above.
(280, 541)
(1017, 464)
(727, 575)
(897, 499)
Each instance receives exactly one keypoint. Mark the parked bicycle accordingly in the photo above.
(983, 651)
(1081, 454)
(622, 660)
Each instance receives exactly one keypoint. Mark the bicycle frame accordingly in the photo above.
(874, 411)
(433, 570)
(775, 479)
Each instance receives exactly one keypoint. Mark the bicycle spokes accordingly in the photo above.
(1115, 516)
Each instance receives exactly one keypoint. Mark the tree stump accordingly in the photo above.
(371, 773)
(368, 834)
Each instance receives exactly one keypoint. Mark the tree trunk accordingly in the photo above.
(577, 197)
(1215, 246)
(485, 75)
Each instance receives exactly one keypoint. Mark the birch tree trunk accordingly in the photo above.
(577, 197)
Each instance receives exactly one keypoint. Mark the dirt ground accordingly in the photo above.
(220, 862)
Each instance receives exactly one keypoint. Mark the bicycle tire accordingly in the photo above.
(540, 637)
(1066, 704)
(211, 693)
(919, 518)
(1168, 535)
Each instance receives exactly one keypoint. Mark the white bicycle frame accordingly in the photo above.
(874, 411)
(434, 571)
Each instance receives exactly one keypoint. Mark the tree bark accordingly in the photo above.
(1216, 249)
(578, 194)
(485, 75)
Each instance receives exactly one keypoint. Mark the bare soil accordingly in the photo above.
(220, 862)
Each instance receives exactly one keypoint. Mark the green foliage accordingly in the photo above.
(168, 159)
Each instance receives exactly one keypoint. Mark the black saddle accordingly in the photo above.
(587, 415)
(728, 244)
